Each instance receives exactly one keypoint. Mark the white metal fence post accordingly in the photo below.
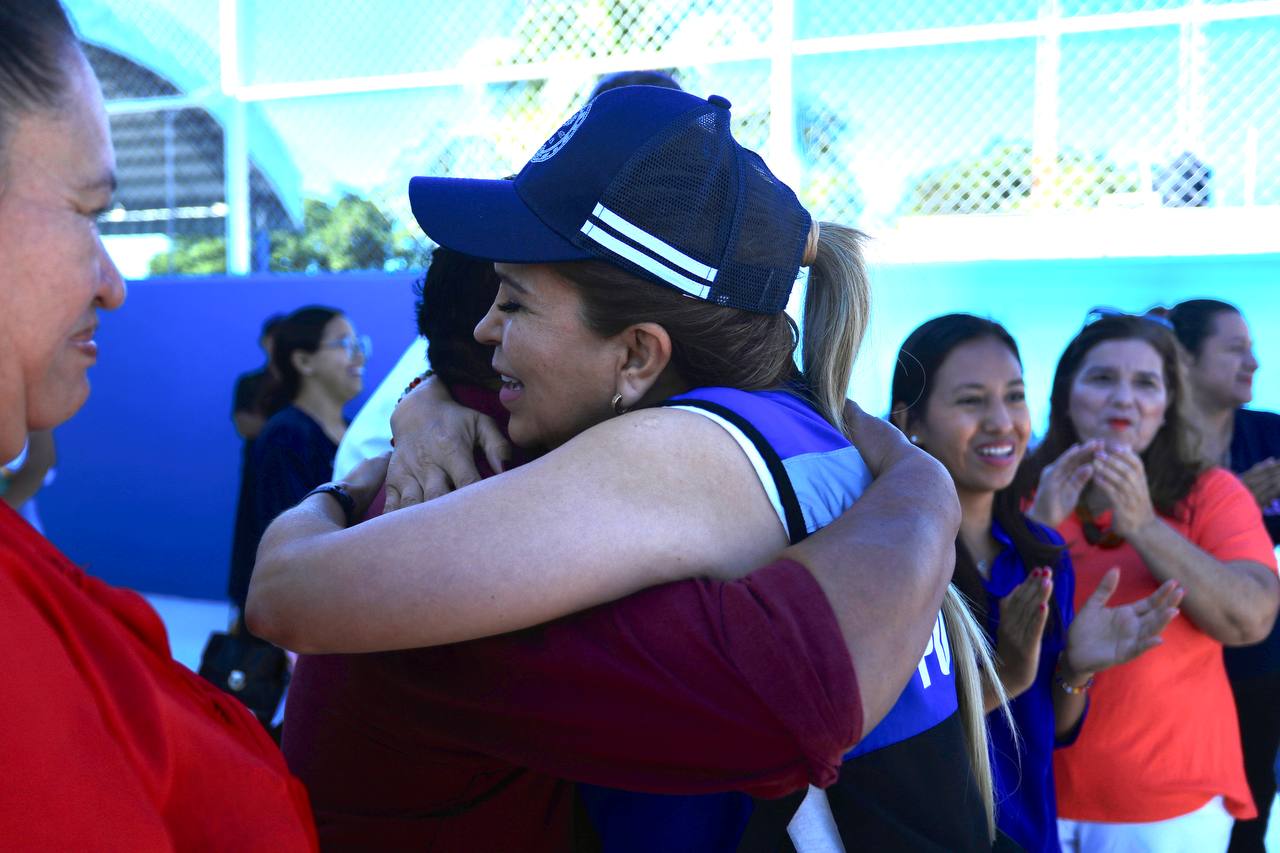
(235, 153)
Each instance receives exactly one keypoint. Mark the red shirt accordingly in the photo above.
(108, 743)
(1162, 738)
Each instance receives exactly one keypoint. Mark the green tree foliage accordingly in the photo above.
(192, 256)
(352, 234)
(1002, 180)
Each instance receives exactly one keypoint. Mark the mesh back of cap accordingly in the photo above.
(695, 189)
(764, 255)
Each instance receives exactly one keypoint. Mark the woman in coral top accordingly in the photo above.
(106, 742)
(1159, 765)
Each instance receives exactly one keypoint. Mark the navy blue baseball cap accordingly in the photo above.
(647, 178)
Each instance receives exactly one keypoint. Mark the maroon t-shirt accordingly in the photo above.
(688, 688)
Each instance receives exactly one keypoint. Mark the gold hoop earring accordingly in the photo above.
(616, 402)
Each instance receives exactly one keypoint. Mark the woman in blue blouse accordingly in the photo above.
(958, 393)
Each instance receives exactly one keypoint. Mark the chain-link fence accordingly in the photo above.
(281, 135)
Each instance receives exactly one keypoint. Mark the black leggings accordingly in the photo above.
(1258, 706)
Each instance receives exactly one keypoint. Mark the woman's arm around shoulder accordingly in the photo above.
(653, 496)
(885, 564)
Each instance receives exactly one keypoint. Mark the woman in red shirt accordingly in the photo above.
(108, 744)
(1158, 767)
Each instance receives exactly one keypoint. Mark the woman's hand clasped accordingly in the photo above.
(1023, 614)
(1101, 637)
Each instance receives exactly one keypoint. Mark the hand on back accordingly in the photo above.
(435, 442)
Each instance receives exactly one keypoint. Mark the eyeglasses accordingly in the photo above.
(1103, 313)
(362, 344)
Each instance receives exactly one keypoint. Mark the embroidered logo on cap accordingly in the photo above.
(561, 137)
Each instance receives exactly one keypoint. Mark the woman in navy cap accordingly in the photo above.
(645, 260)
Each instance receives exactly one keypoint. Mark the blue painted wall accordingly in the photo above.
(148, 470)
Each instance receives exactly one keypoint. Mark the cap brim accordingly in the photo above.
(486, 219)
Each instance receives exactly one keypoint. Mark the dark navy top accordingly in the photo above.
(1255, 437)
(291, 456)
(1026, 804)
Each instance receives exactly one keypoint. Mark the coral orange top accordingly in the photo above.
(1162, 739)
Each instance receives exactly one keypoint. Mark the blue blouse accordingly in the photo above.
(1026, 805)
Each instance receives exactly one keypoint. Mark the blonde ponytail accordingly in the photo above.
(837, 303)
(974, 666)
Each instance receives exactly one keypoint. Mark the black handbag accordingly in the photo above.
(252, 670)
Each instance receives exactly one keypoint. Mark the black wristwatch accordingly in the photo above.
(340, 494)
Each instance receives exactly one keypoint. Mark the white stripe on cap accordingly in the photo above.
(644, 261)
(653, 244)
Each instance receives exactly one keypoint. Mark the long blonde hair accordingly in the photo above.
(975, 667)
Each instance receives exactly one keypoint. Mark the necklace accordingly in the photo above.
(1093, 534)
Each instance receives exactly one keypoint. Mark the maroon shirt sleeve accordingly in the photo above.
(691, 687)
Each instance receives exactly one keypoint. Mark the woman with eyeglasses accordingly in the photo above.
(318, 367)
(1220, 370)
(1158, 766)
(958, 393)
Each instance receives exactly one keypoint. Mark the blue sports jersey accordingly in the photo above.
(811, 474)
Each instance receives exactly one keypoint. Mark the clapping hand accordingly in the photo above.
(1101, 637)
(1121, 477)
(1023, 614)
(1263, 480)
(1062, 481)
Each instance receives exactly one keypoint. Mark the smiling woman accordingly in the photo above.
(108, 743)
(317, 367)
(958, 393)
(58, 173)
(639, 330)
(1158, 765)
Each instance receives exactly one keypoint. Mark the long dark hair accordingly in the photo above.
(1193, 321)
(921, 357)
(300, 331)
(1171, 461)
(453, 296)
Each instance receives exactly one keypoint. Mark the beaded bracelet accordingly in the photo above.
(1069, 689)
(415, 382)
